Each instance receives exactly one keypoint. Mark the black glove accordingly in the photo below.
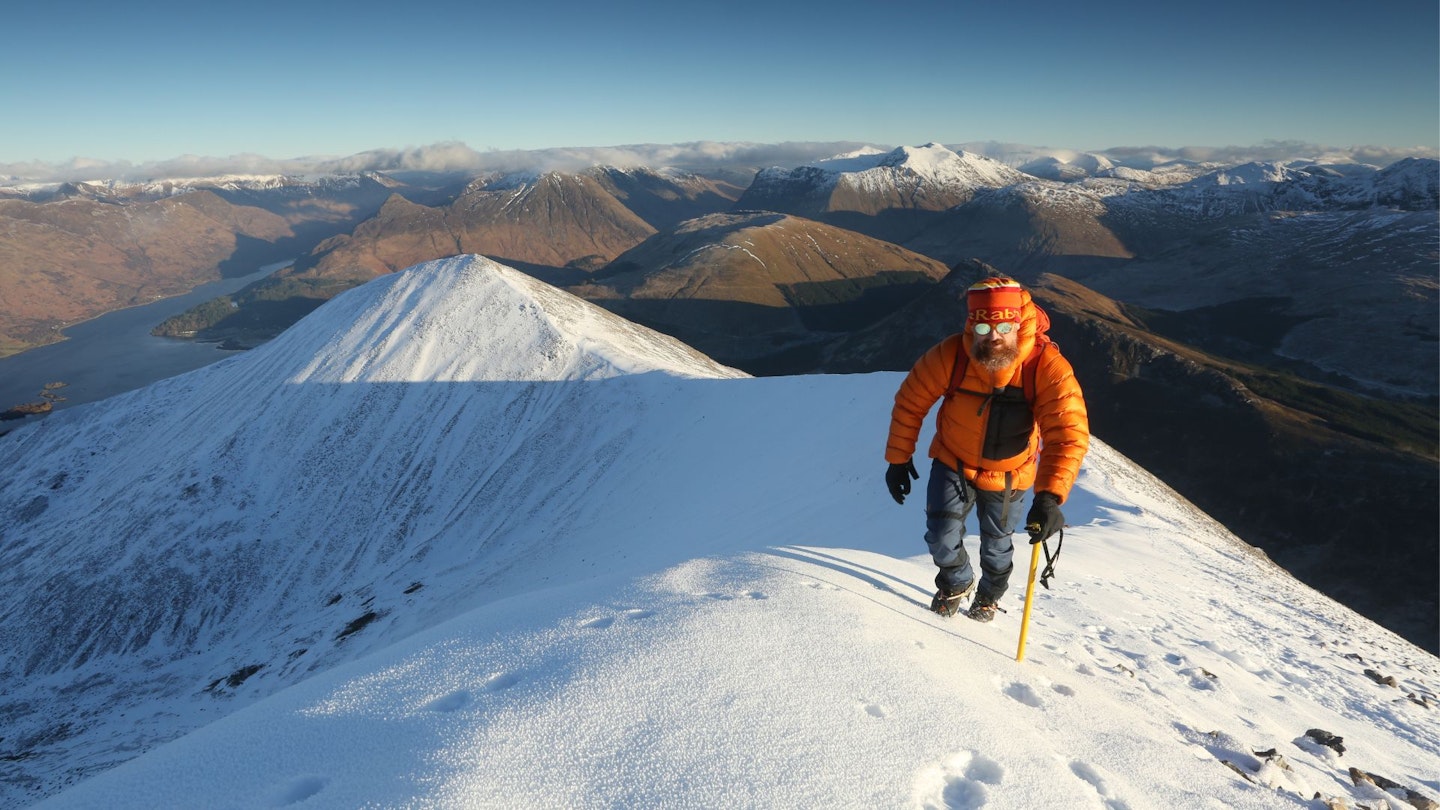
(1045, 518)
(897, 478)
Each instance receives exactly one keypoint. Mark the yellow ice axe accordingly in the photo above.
(1036, 544)
(1029, 597)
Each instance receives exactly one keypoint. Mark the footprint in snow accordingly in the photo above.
(1023, 693)
(602, 622)
(299, 790)
(876, 710)
(453, 702)
(959, 783)
(725, 597)
(1096, 779)
(501, 681)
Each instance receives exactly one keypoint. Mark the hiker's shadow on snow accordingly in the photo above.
(879, 580)
(874, 576)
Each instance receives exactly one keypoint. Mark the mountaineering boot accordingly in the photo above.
(947, 603)
(983, 609)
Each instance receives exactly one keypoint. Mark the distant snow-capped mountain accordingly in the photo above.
(1249, 174)
(149, 190)
(929, 177)
(933, 164)
(885, 194)
(1069, 167)
(1408, 185)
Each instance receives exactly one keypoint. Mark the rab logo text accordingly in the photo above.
(1004, 314)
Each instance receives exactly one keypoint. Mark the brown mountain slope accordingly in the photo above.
(72, 260)
(1289, 289)
(1281, 288)
(554, 220)
(1273, 287)
(82, 249)
(556, 227)
(666, 199)
(1031, 226)
(1340, 489)
(759, 289)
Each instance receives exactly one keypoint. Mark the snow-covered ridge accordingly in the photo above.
(942, 175)
(1410, 185)
(507, 181)
(169, 187)
(933, 177)
(460, 540)
(1250, 173)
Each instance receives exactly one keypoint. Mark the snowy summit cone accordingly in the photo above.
(200, 521)
(468, 318)
(309, 448)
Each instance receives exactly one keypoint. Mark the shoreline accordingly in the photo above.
(251, 277)
(115, 352)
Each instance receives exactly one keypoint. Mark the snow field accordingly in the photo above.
(640, 584)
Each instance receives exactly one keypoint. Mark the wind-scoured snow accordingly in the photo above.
(458, 539)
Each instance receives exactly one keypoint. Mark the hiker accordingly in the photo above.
(1012, 417)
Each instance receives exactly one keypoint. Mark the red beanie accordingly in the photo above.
(995, 300)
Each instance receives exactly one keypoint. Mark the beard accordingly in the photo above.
(995, 356)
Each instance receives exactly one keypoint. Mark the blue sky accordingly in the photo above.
(152, 81)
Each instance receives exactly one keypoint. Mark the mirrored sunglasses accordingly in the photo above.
(1003, 328)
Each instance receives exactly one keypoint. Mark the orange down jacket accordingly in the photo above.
(987, 429)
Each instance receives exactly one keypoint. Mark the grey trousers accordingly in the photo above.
(949, 499)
